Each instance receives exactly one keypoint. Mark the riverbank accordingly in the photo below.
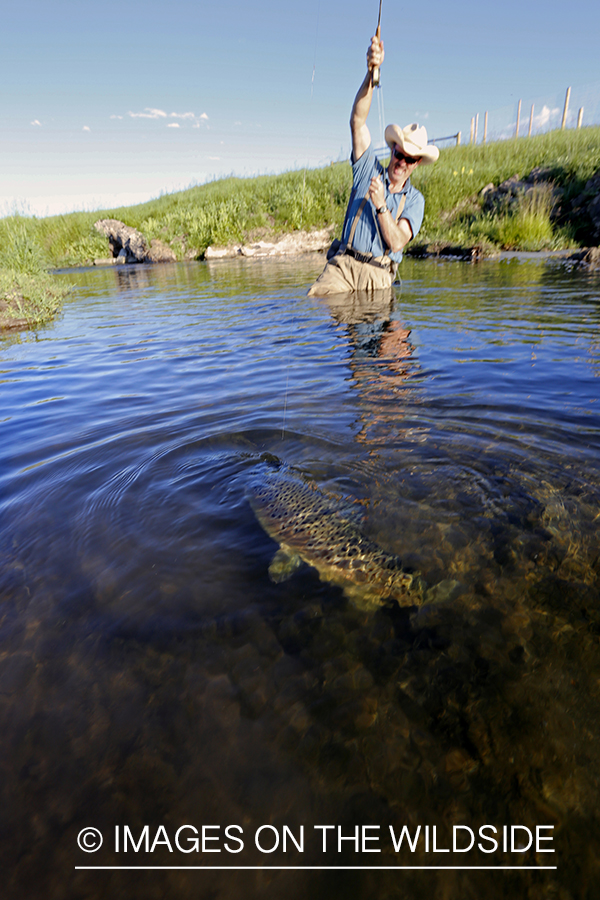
(27, 299)
(527, 194)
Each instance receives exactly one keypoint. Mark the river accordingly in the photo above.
(156, 685)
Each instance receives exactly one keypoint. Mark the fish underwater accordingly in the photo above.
(313, 527)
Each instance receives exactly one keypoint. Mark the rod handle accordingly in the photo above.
(375, 73)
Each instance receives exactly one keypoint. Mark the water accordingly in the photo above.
(152, 674)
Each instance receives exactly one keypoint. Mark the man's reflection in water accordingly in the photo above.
(381, 356)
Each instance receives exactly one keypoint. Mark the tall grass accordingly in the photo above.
(244, 209)
(221, 212)
(525, 226)
(28, 299)
(453, 210)
(28, 293)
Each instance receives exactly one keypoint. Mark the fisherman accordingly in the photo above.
(385, 211)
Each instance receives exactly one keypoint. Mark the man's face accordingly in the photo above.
(401, 166)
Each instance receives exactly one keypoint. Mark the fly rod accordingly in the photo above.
(375, 77)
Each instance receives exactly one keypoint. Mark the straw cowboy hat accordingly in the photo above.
(413, 141)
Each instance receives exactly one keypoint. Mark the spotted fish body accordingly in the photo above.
(313, 527)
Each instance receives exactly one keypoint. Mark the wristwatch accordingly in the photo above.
(381, 210)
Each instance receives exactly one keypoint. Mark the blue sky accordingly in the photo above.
(114, 103)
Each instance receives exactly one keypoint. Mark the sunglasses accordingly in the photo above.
(410, 160)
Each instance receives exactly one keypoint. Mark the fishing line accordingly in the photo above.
(312, 87)
(376, 81)
(381, 111)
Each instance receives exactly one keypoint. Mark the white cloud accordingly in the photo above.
(544, 119)
(36, 122)
(149, 113)
(545, 116)
(116, 117)
(152, 113)
(214, 157)
(173, 125)
(86, 128)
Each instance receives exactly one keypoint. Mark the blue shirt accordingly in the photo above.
(367, 238)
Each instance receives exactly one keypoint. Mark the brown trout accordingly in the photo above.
(313, 527)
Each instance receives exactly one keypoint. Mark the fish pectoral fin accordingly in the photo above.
(283, 565)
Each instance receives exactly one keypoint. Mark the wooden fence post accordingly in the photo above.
(476, 128)
(472, 129)
(580, 117)
(518, 119)
(485, 127)
(458, 137)
(530, 121)
(566, 108)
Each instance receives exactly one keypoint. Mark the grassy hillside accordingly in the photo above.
(454, 210)
(218, 213)
(244, 209)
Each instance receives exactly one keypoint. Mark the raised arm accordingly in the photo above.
(361, 137)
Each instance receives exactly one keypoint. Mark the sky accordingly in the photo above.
(111, 104)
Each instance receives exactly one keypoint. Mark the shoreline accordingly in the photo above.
(28, 299)
(450, 254)
(13, 314)
(527, 193)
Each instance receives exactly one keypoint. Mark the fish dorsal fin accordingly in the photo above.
(351, 510)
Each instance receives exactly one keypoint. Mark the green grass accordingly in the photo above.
(27, 300)
(244, 209)
(218, 213)
(453, 211)
(527, 227)
(29, 295)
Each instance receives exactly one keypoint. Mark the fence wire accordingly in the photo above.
(534, 116)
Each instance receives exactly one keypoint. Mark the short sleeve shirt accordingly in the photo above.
(367, 238)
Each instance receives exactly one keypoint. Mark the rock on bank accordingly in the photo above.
(127, 245)
(290, 245)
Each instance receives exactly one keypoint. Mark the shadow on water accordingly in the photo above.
(152, 675)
